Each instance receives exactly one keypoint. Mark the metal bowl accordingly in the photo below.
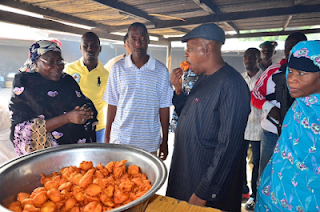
(23, 174)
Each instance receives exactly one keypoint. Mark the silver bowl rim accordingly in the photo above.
(143, 198)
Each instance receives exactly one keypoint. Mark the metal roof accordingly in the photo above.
(168, 17)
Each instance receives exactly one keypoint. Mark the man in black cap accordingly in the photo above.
(208, 153)
(267, 52)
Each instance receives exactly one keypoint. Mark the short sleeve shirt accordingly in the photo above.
(93, 84)
(138, 94)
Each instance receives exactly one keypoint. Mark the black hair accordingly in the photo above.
(297, 36)
(138, 24)
(91, 34)
(255, 50)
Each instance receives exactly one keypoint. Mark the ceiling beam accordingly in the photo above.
(10, 17)
(287, 23)
(218, 18)
(263, 34)
(130, 11)
(212, 8)
(127, 9)
(52, 14)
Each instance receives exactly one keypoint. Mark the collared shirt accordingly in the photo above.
(93, 84)
(253, 130)
(112, 61)
(138, 94)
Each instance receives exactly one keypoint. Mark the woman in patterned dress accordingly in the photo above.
(291, 180)
(47, 106)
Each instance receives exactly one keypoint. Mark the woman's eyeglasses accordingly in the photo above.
(52, 62)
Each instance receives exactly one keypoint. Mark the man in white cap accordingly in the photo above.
(208, 152)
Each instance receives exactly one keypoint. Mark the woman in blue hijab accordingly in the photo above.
(291, 180)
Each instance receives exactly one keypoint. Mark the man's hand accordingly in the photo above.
(163, 153)
(194, 200)
(176, 80)
(275, 113)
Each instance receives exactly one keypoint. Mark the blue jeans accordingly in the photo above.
(100, 135)
(268, 142)
(255, 146)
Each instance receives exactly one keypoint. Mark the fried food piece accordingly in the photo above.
(15, 206)
(99, 175)
(103, 170)
(76, 178)
(48, 207)
(51, 185)
(110, 166)
(133, 170)
(109, 191)
(22, 196)
(30, 208)
(75, 209)
(137, 181)
(26, 201)
(106, 200)
(40, 198)
(70, 203)
(120, 197)
(66, 194)
(185, 65)
(54, 195)
(119, 168)
(36, 191)
(86, 165)
(93, 207)
(88, 198)
(52, 176)
(93, 190)
(101, 182)
(126, 185)
(87, 179)
(65, 186)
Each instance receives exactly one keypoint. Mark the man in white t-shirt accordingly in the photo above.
(253, 133)
(139, 95)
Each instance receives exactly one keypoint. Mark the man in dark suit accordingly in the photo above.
(208, 151)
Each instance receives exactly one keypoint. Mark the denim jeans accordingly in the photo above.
(255, 146)
(100, 135)
(268, 142)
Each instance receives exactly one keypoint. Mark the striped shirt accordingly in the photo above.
(265, 86)
(253, 130)
(138, 94)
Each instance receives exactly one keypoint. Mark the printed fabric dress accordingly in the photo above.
(36, 99)
(291, 180)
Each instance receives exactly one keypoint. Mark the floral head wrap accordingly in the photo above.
(305, 56)
(36, 50)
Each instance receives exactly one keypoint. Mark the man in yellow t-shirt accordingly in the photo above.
(92, 77)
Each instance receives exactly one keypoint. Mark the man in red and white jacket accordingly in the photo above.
(263, 97)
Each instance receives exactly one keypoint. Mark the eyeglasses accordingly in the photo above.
(52, 62)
